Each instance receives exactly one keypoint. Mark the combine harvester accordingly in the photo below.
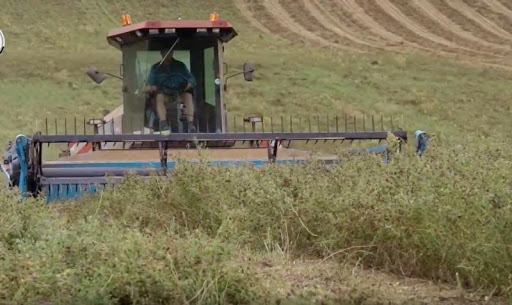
(100, 152)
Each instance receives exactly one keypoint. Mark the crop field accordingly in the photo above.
(435, 229)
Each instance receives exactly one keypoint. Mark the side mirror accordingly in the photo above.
(248, 72)
(95, 75)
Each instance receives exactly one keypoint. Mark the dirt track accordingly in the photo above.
(471, 31)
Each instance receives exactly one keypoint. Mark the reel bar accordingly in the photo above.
(205, 137)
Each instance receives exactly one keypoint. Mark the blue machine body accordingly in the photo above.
(62, 180)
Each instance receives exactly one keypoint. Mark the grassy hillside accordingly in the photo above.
(435, 230)
(43, 71)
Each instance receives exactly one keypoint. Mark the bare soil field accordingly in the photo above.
(472, 31)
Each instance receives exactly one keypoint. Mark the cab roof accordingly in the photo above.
(132, 33)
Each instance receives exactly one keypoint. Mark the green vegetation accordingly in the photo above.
(238, 235)
(445, 217)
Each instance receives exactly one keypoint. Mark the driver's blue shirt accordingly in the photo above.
(170, 76)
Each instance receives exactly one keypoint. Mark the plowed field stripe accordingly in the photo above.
(485, 23)
(398, 15)
(436, 15)
(244, 10)
(499, 8)
(329, 22)
(282, 16)
(360, 14)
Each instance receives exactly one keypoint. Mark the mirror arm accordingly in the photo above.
(228, 77)
(232, 75)
(113, 75)
(235, 74)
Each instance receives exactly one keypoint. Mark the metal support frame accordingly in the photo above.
(162, 148)
(223, 137)
(36, 176)
(272, 150)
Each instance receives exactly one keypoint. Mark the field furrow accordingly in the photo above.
(282, 17)
(505, 3)
(300, 14)
(343, 16)
(498, 7)
(466, 23)
(378, 11)
(470, 13)
(498, 18)
(262, 16)
(402, 17)
(362, 15)
(359, 13)
(436, 15)
(243, 7)
(329, 22)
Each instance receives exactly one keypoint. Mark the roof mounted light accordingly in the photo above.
(216, 30)
(139, 33)
(126, 19)
(214, 16)
(153, 31)
(118, 39)
(170, 31)
(202, 30)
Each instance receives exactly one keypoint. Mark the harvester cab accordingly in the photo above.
(187, 100)
(159, 58)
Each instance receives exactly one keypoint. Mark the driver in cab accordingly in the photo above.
(168, 80)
